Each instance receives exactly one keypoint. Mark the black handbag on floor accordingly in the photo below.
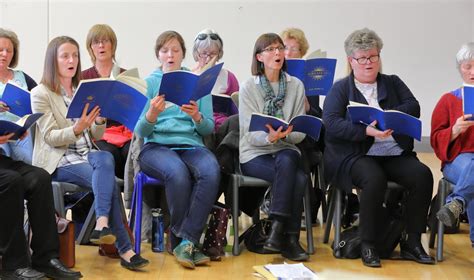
(349, 245)
(256, 235)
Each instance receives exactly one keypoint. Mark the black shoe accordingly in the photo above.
(22, 273)
(275, 238)
(104, 236)
(415, 253)
(293, 250)
(135, 262)
(55, 269)
(370, 257)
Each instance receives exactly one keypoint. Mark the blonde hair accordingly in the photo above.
(10, 35)
(100, 32)
(298, 35)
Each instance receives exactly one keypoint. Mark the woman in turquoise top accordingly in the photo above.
(9, 53)
(174, 153)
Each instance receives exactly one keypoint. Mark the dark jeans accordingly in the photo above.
(284, 171)
(120, 155)
(20, 181)
(191, 178)
(371, 173)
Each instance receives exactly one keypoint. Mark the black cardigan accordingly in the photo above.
(345, 141)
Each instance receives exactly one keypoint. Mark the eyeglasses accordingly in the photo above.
(213, 36)
(98, 42)
(292, 49)
(273, 49)
(206, 54)
(364, 60)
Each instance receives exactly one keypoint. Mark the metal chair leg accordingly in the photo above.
(327, 229)
(442, 193)
(235, 215)
(337, 224)
(309, 229)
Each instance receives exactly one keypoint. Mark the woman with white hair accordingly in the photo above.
(363, 156)
(207, 50)
(451, 139)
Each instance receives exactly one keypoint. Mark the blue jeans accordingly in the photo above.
(20, 150)
(99, 175)
(191, 177)
(461, 172)
(289, 181)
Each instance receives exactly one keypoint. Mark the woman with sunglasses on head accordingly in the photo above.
(9, 55)
(207, 50)
(64, 147)
(174, 153)
(362, 156)
(101, 44)
(273, 156)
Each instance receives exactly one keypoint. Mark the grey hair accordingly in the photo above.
(207, 43)
(362, 39)
(465, 53)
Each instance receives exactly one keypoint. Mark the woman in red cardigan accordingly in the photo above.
(452, 138)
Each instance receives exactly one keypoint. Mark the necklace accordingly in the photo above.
(8, 77)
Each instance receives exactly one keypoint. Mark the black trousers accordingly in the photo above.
(18, 182)
(120, 155)
(371, 173)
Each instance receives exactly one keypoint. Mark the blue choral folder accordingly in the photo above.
(117, 101)
(180, 87)
(468, 100)
(20, 127)
(317, 74)
(401, 123)
(17, 99)
(310, 125)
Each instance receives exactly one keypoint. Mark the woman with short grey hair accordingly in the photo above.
(361, 155)
(207, 50)
(451, 139)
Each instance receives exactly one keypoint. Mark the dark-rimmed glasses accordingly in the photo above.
(363, 60)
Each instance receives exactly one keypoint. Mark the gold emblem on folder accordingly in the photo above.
(318, 73)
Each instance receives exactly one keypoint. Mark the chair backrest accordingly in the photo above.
(227, 141)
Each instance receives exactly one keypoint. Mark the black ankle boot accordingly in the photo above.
(275, 238)
(292, 250)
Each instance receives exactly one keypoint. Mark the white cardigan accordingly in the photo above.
(54, 133)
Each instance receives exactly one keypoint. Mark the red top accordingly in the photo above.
(445, 114)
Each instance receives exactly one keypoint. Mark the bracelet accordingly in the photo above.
(199, 121)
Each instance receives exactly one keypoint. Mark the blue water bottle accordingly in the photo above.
(157, 228)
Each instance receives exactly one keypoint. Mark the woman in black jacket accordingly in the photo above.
(366, 157)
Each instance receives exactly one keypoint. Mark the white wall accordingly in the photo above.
(421, 37)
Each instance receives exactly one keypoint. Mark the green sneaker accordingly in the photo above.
(199, 258)
(184, 254)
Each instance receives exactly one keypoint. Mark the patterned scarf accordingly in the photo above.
(274, 103)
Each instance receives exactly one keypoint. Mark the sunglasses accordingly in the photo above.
(213, 36)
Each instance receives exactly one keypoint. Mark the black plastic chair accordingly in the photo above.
(335, 212)
(238, 180)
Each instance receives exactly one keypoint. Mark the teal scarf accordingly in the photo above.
(274, 102)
